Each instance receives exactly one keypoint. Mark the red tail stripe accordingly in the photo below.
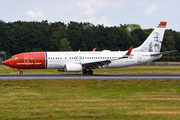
(162, 24)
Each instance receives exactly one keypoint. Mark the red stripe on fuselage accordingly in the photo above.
(32, 60)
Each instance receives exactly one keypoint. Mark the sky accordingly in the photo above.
(146, 13)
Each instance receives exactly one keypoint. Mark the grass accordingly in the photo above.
(136, 69)
(89, 99)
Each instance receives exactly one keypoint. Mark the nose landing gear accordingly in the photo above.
(90, 72)
(21, 72)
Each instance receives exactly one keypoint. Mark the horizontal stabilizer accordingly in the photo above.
(162, 53)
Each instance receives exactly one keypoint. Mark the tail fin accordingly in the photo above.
(154, 41)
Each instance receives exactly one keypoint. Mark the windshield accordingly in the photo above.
(14, 58)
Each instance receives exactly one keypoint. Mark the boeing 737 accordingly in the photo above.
(86, 61)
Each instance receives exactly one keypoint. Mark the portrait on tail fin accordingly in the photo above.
(154, 41)
(155, 45)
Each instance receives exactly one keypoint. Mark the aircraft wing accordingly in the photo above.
(101, 63)
(96, 64)
(162, 53)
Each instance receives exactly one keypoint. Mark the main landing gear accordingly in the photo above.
(90, 72)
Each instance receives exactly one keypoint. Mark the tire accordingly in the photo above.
(90, 72)
(21, 72)
(85, 71)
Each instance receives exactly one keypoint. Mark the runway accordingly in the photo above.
(94, 76)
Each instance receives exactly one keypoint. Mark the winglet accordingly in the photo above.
(94, 49)
(129, 52)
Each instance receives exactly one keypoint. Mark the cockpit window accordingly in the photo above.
(14, 58)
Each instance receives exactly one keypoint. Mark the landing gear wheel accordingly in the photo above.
(85, 71)
(21, 72)
(90, 72)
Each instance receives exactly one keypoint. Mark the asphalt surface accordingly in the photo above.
(94, 76)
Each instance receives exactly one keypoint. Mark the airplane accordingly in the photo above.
(85, 61)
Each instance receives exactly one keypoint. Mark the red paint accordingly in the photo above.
(94, 49)
(34, 60)
(129, 52)
(17, 69)
(162, 24)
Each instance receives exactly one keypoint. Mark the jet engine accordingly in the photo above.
(73, 68)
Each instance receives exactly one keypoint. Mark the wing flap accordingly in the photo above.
(96, 63)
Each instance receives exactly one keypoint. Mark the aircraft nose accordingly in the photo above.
(7, 62)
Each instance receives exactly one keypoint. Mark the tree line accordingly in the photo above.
(21, 36)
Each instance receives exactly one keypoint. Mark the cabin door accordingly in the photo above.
(26, 58)
(139, 57)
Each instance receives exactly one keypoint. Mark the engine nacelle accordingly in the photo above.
(73, 68)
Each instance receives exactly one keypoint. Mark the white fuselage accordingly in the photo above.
(57, 60)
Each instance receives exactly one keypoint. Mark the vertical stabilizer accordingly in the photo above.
(154, 41)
